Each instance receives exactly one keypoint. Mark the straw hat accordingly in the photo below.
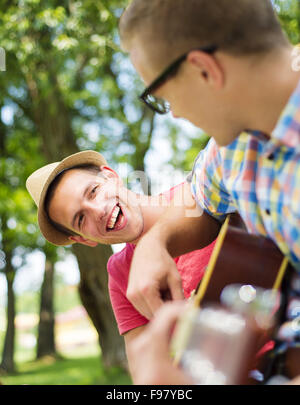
(38, 182)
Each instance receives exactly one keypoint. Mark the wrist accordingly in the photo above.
(158, 234)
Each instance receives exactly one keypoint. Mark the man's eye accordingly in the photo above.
(93, 191)
(80, 221)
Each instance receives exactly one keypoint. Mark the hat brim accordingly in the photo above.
(81, 158)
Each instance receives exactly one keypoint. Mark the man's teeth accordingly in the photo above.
(113, 218)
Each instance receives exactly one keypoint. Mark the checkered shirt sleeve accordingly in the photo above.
(207, 185)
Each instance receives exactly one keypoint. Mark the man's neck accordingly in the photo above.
(272, 84)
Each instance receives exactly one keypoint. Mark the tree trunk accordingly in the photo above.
(95, 298)
(298, 21)
(46, 339)
(59, 141)
(7, 363)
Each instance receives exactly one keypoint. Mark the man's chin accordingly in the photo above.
(135, 240)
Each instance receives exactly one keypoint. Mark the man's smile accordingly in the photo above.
(116, 220)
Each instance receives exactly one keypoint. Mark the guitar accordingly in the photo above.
(240, 262)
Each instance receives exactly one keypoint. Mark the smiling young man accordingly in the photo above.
(82, 200)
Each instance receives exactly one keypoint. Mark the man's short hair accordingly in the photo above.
(172, 27)
(52, 188)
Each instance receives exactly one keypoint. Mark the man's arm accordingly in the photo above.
(129, 337)
(149, 350)
(182, 228)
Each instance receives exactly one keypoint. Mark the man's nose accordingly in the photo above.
(95, 209)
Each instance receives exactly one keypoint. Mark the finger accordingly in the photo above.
(153, 301)
(175, 285)
(139, 304)
(166, 317)
(146, 299)
(143, 310)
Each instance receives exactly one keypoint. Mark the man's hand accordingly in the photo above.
(151, 363)
(294, 381)
(153, 277)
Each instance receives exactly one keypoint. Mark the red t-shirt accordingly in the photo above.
(191, 267)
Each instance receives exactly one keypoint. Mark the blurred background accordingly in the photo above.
(65, 86)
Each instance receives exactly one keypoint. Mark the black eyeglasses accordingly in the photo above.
(160, 105)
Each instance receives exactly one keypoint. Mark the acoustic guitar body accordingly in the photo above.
(243, 259)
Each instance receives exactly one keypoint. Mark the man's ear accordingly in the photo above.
(109, 173)
(208, 66)
(83, 241)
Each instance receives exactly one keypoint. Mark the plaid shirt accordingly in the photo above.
(259, 177)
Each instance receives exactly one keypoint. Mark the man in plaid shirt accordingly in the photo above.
(240, 83)
(226, 66)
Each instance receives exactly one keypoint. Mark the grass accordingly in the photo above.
(76, 365)
(76, 340)
(66, 371)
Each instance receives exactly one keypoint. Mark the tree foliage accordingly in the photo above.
(66, 88)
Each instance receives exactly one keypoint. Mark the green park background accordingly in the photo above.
(66, 87)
